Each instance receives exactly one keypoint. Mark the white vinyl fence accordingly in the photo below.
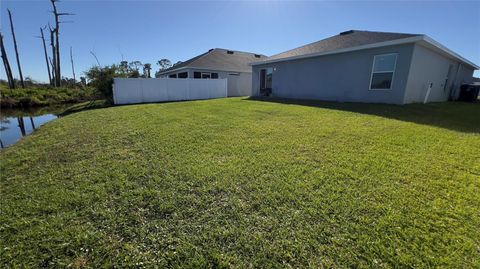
(150, 90)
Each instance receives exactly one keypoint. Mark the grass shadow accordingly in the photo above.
(94, 104)
(456, 116)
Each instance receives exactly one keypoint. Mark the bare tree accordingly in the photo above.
(46, 55)
(73, 69)
(16, 49)
(57, 15)
(56, 56)
(6, 64)
(53, 61)
(53, 72)
(95, 56)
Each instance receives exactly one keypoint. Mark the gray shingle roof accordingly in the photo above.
(348, 39)
(220, 59)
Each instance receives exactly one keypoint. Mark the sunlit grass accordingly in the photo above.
(244, 183)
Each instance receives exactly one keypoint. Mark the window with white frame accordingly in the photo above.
(205, 75)
(383, 71)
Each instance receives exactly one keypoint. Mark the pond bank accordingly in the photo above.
(37, 96)
(20, 122)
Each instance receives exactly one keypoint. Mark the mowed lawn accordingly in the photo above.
(246, 183)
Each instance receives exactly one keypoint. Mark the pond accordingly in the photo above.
(17, 123)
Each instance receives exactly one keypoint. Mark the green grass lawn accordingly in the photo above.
(246, 183)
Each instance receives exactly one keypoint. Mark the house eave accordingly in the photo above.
(449, 52)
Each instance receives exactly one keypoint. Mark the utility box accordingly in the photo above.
(469, 92)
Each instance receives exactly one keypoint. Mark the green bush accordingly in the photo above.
(102, 78)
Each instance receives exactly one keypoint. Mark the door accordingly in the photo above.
(262, 79)
(266, 80)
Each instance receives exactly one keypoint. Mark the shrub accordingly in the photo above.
(102, 78)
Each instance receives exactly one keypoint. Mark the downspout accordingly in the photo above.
(430, 85)
(453, 89)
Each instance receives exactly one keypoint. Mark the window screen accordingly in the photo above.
(214, 75)
(382, 72)
(197, 75)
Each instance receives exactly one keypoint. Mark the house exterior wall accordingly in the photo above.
(445, 74)
(343, 77)
(239, 83)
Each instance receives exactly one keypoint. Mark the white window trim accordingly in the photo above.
(373, 67)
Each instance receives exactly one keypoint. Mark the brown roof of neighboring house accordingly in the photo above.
(220, 59)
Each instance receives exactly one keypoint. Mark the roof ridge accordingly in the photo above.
(383, 32)
(246, 52)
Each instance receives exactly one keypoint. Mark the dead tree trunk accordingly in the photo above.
(46, 56)
(73, 68)
(57, 15)
(54, 56)
(53, 73)
(56, 59)
(16, 49)
(6, 64)
(95, 56)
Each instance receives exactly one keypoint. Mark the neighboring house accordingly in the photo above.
(219, 63)
(363, 66)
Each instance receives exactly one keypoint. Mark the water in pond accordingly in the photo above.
(17, 123)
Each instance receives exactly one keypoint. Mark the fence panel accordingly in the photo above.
(150, 90)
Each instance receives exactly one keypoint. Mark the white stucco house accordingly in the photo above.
(364, 66)
(219, 63)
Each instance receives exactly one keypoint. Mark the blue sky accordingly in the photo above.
(178, 30)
